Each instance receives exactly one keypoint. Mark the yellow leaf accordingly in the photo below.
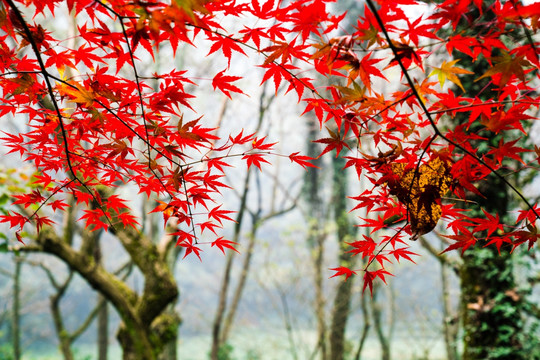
(449, 71)
(79, 95)
(422, 196)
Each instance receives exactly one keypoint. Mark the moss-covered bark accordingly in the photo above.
(491, 315)
(146, 326)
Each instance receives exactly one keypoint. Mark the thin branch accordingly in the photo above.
(6, 272)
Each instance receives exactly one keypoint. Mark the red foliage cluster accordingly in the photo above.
(110, 125)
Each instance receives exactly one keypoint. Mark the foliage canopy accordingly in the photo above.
(97, 117)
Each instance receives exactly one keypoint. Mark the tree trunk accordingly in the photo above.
(376, 309)
(63, 336)
(146, 326)
(365, 329)
(170, 347)
(492, 321)
(103, 331)
(491, 315)
(450, 320)
(16, 316)
(342, 301)
(246, 264)
(225, 283)
(316, 236)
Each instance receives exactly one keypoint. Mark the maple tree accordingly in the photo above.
(108, 125)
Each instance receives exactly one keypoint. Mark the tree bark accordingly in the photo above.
(366, 327)
(376, 309)
(103, 330)
(450, 319)
(342, 301)
(225, 283)
(63, 336)
(316, 236)
(491, 315)
(16, 316)
(145, 327)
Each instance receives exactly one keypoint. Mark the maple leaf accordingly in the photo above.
(265, 11)
(365, 247)
(370, 276)
(491, 224)
(79, 94)
(285, 50)
(509, 150)
(218, 214)
(258, 144)
(499, 241)
(507, 66)
(504, 120)
(368, 33)
(417, 29)
(355, 95)
(462, 241)
(421, 192)
(29, 199)
(227, 46)
(241, 138)
(402, 253)
(302, 160)
(254, 34)
(14, 218)
(333, 142)
(116, 203)
(529, 235)
(223, 83)
(255, 159)
(58, 204)
(222, 243)
(277, 72)
(342, 270)
(128, 220)
(93, 218)
(190, 248)
(449, 71)
(208, 225)
(365, 69)
(407, 55)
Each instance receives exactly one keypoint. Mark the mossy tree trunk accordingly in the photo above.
(146, 325)
(491, 315)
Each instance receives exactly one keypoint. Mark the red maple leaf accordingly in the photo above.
(223, 83)
(219, 215)
(255, 159)
(190, 248)
(227, 46)
(342, 270)
(302, 160)
(222, 243)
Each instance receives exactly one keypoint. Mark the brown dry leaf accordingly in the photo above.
(423, 198)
